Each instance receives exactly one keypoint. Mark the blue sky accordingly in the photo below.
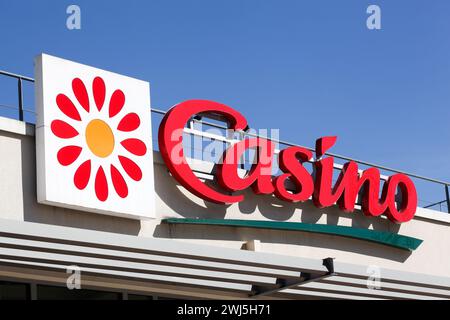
(310, 68)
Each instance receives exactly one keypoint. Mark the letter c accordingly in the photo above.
(170, 140)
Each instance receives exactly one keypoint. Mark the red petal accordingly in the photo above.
(131, 168)
(98, 87)
(116, 103)
(63, 130)
(101, 185)
(129, 123)
(79, 89)
(119, 183)
(67, 107)
(135, 146)
(67, 155)
(82, 175)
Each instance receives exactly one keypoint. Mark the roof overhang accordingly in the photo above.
(41, 253)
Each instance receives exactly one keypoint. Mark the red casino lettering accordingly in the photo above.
(344, 192)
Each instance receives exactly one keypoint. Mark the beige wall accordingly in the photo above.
(18, 202)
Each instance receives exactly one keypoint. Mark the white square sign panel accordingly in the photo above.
(93, 139)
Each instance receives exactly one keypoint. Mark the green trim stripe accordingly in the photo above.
(386, 238)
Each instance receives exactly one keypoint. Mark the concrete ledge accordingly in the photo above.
(16, 126)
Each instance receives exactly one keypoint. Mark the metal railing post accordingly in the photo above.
(447, 197)
(19, 89)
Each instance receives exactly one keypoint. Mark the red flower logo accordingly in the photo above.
(99, 137)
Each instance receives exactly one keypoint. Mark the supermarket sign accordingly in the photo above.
(351, 184)
(94, 153)
(93, 140)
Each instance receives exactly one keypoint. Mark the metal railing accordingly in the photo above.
(199, 120)
(20, 80)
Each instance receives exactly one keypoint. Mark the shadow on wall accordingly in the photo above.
(34, 212)
(270, 208)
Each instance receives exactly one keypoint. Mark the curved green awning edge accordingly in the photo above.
(382, 237)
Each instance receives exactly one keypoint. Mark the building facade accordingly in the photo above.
(261, 247)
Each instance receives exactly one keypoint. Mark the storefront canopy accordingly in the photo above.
(41, 253)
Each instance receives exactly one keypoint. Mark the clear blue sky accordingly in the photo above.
(310, 68)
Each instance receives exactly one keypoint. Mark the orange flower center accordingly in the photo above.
(99, 138)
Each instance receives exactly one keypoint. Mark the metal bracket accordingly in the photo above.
(305, 277)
